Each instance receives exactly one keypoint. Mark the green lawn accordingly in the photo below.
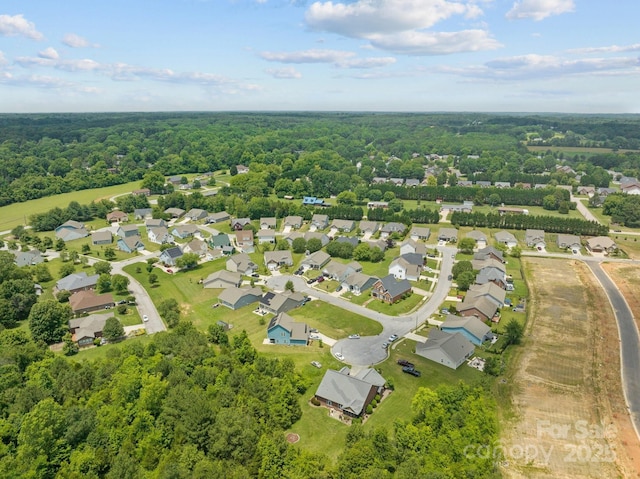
(403, 306)
(335, 322)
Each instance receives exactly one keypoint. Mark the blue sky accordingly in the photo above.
(361, 55)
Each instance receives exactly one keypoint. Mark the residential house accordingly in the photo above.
(571, 242)
(450, 235)
(155, 223)
(238, 224)
(378, 204)
(266, 236)
(315, 260)
(184, 231)
(352, 240)
(294, 222)
(412, 246)
(320, 222)
(117, 216)
(222, 279)
(479, 237)
(28, 258)
(346, 393)
(489, 253)
(407, 266)
(380, 244)
(489, 290)
(76, 282)
(196, 214)
(396, 181)
(368, 375)
(358, 283)
(606, 191)
(220, 240)
(411, 182)
(631, 188)
(506, 210)
(87, 301)
(101, 237)
(196, 246)
(502, 184)
(127, 231)
(276, 303)
(241, 263)
(175, 180)
(275, 260)
(535, 239)
(174, 212)
(71, 230)
(268, 223)
(492, 275)
(465, 183)
(170, 255)
(506, 238)
(392, 227)
(130, 244)
(219, 217)
(378, 180)
(312, 201)
(340, 271)
(470, 327)
(368, 228)
(586, 190)
(466, 207)
(244, 240)
(344, 226)
(85, 329)
(324, 239)
(283, 329)
(242, 170)
(480, 306)
(236, 298)
(159, 235)
(483, 184)
(141, 192)
(419, 233)
(390, 290)
(601, 244)
(143, 213)
(450, 350)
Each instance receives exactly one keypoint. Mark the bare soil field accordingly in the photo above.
(570, 418)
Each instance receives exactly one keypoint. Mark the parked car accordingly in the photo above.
(313, 330)
(170, 271)
(311, 281)
(354, 336)
(444, 311)
(255, 275)
(393, 337)
(339, 356)
(412, 371)
(404, 362)
(320, 279)
(450, 277)
(145, 318)
(314, 336)
(385, 345)
(316, 364)
(298, 271)
(338, 289)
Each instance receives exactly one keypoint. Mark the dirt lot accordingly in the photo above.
(570, 416)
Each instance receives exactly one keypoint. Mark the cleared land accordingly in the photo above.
(566, 382)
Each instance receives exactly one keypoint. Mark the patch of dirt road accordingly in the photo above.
(569, 415)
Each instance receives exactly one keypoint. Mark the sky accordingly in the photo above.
(573, 56)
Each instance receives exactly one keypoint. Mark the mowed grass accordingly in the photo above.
(19, 213)
(401, 307)
(335, 322)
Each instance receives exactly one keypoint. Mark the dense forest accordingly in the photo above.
(296, 153)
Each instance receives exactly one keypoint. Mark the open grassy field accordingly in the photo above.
(574, 150)
(556, 379)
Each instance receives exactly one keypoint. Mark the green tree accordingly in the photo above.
(48, 320)
(170, 312)
(69, 347)
(299, 245)
(104, 283)
(465, 279)
(66, 269)
(42, 273)
(289, 286)
(460, 267)
(346, 198)
(218, 335)
(187, 261)
(109, 254)
(313, 245)
(513, 332)
(154, 181)
(102, 267)
(466, 245)
(112, 329)
(119, 283)
(515, 252)
(283, 245)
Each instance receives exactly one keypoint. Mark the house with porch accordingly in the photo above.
(183, 231)
(268, 223)
(390, 290)
(159, 235)
(266, 236)
(274, 260)
(448, 235)
(450, 350)
(358, 283)
(283, 329)
(506, 238)
(117, 216)
(601, 244)
(244, 240)
(88, 301)
(419, 233)
(315, 260)
(276, 303)
(570, 242)
(535, 239)
(85, 329)
(241, 263)
(170, 256)
(130, 244)
(345, 393)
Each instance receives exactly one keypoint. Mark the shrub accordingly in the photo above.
(369, 409)
(377, 398)
(315, 401)
(374, 404)
(122, 309)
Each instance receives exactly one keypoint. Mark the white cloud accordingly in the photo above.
(50, 53)
(284, 73)
(365, 17)
(307, 56)
(76, 41)
(365, 63)
(436, 43)
(17, 25)
(3, 59)
(610, 49)
(539, 9)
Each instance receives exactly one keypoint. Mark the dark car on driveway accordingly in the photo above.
(404, 362)
(412, 371)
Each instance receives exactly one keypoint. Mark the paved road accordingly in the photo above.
(368, 349)
(629, 344)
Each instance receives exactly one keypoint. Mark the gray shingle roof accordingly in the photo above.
(348, 391)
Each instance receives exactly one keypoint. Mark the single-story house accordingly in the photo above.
(535, 239)
(268, 223)
(470, 327)
(244, 240)
(324, 239)
(571, 242)
(84, 330)
(196, 246)
(320, 221)
(369, 227)
(87, 301)
(71, 230)
(481, 307)
(397, 181)
(502, 184)
(155, 223)
(506, 238)
(492, 275)
(170, 255)
(141, 192)
(601, 244)
(419, 233)
(101, 237)
(506, 210)
(466, 207)
(117, 216)
(489, 253)
(379, 243)
(184, 231)
(483, 184)
(345, 393)
(378, 204)
(222, 279)
(218, 217)
(266, 236)
(276, 303)
(352, 240)
(390, 290)
(275, 260)
(413, 247)
(28, 258)
(450, 235)
(127, 231)
(315, 260)
(391, 228)
(465, 183)
(175, 179)
(241, 263)
(130, 244)
(479, 237)
(238, 224)
(235, 298)
(450, 350)
(312, 201)
(358, 283)
(339, 271)
(143, 213)
(586, 190)
(292, 222)
(196, 214)
(174, 212)
(344, 226)
(412, 182)
(242, 169)
(489, 290)
(378, 180)
(283, 329)
(76, 282)
(159, 235)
